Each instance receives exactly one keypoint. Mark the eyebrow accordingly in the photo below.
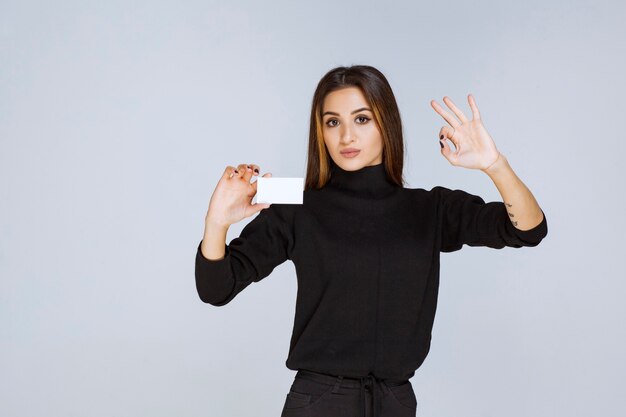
(355, 111)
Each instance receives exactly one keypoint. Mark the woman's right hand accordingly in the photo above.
(232, 199)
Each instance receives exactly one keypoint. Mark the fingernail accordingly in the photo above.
(441, 137)
(441, 143)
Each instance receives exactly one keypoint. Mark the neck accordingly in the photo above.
(367, 181)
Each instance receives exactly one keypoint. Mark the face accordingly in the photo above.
(348, 124)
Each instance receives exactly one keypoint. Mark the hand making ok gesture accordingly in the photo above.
(475, 149)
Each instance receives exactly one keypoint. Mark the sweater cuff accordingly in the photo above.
(213, 267)
(531, 236)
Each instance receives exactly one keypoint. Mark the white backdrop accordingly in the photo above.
(117, 119)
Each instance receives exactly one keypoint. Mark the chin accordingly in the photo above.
(351, 164)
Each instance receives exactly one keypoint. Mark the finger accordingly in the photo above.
(254, 184)
(448, 117)
(447, 153)
(449, 133)
(474, 107)
(247, 173)
(255, 169)
(229, 172)
(241, 169)
(455, 109)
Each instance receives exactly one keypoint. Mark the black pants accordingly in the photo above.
(314, 394)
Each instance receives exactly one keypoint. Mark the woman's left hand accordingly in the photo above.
(475, 149)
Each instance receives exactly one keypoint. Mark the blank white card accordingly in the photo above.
(279, 190)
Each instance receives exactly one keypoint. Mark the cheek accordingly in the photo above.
(373, 136)
(330, 136)
(330, 143)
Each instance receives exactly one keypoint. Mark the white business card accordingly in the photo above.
(283, 190)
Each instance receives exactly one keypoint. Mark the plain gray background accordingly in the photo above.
(118, 118)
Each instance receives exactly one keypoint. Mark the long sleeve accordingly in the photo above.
(466, 219)
(263, 244)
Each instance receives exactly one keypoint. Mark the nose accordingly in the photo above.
(346, 134)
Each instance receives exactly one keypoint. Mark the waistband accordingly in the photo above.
(370, 382)
(353, 382)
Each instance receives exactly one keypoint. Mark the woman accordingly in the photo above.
(366, 249)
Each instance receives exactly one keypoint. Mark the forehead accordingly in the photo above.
(344, 100)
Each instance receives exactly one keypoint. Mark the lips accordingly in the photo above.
(350, 153)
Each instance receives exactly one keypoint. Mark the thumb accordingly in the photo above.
(259, 206)
(446, 151)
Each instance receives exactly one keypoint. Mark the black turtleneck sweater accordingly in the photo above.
(366, 255)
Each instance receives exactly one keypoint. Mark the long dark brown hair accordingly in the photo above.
(381, 99)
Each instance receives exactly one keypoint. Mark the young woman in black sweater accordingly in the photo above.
(365, 248)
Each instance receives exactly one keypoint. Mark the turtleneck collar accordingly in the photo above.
(370, 180)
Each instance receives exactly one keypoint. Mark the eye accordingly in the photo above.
(364, 118)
